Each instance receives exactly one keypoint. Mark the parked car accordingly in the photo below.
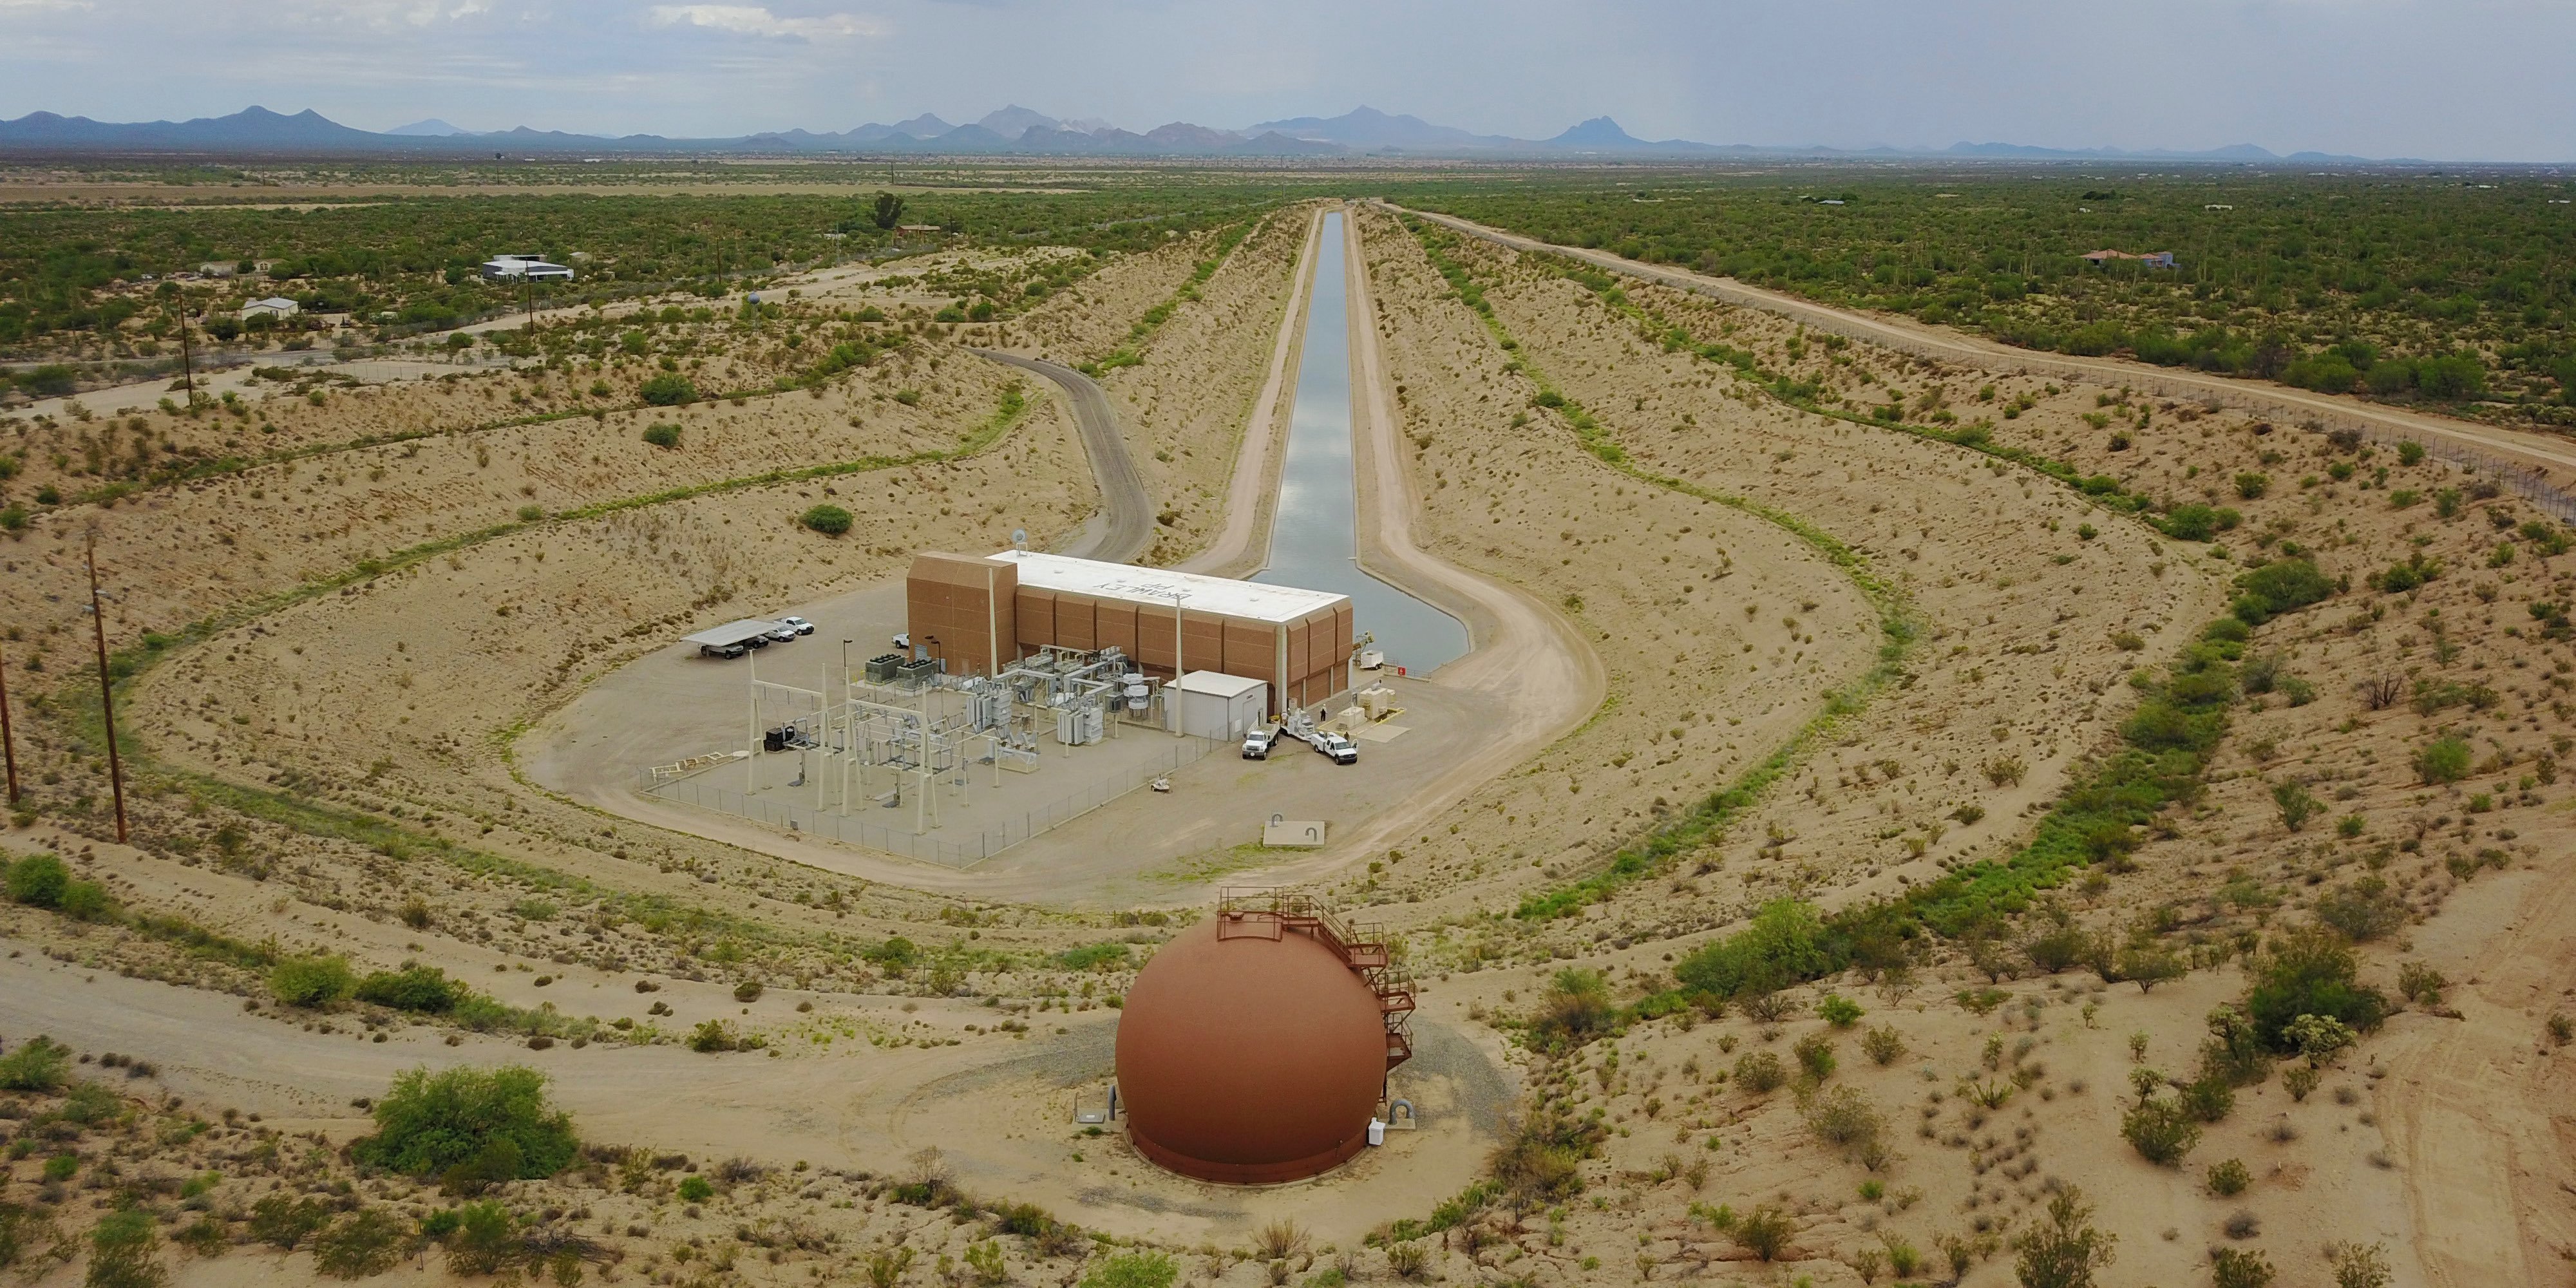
(782, 632)
(801, 626)
(721, 650)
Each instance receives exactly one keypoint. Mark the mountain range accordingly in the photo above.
(1011, 131)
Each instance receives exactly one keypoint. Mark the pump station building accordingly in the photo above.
(977, 615)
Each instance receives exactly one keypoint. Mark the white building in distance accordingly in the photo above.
(512, 268)
(276, 307)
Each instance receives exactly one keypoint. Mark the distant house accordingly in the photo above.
(512, 268)
(274, 308)
(218, 268)
(2152, 259)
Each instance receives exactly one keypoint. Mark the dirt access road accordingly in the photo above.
(2528, 451)
(1125, 524)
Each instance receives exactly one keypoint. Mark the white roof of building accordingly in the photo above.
(1156, 586)
(731, 632)
(1218, 683)
(278, 302)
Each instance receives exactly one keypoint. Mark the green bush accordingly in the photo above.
(1815, 1054)
(2278, 587)
(696, 1189)
(2444, 760)
(425, 989)
(2232, 1268)
(87, 901)
(38, 881)
(2198, 522)
(2161, 1131)
(1575, 1009)
(2229, 1178)
(287, 1220)
(311, 981)
(830, 520)
(1839, 1011)
(1133, 1270)
(124, 1252)
(2310, 972)
(1759, 1072)
(432, 1123)
(366, 1243)
(39, 1064)
(1783, 946)
(712, 1036)
(669, 389)
(662, 435)
(484, 1240)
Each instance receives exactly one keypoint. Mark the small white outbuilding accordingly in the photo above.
(1221, 707)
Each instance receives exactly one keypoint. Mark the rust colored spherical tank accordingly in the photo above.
(1251, 1056)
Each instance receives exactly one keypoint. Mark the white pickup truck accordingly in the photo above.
(1257, 744)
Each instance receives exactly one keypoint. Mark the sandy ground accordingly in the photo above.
(2445, 1139)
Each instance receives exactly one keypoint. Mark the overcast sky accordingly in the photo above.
(2441, 79)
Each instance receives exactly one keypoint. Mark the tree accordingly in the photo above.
(433, 1123)
(888, 211)
(2065, 1251)
(1783, 946)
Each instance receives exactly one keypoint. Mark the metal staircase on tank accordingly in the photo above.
(1268, 913)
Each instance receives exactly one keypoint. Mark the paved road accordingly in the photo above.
(1127, 513)
(2541, 466)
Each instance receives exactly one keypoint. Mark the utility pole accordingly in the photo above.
(8, 741)
(106, 690)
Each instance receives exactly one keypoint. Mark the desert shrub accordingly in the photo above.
(1883, 1044)
(1575, 1009)
(311, 981)
(2421, 984)
(2278, 587)
(2296, 804)
(2359, 1265)
(484, 1240)
(662, 434)
(2146, 964)
(2310, 972)
(1760, 1072)
(1844, 1117)
(1839, 1011)
(2364, 910)
(830, 520)
(39, 1064)
(425, 989)
(712, 1036)
(747, 991)
(1765, 1232)
(2057, 949)
(364, 1244)
(18, 1228)
(1815, 1053)
(1133, 1270)
(2228, 1178)
(669, 389)
(2232, 1268)
(2444, 760)
(493, 1122)
(2064, 1250)
(1407, 1261)
(2234, 1051)
(287, 1220)
(1541, 1162)
(2197, 522)
(124, 1252)
(2161, 1131)
(2207, 1098)
(696, 1189)
(1784, 946)
(2414, 571)
(2300, 1080)
(38, 881)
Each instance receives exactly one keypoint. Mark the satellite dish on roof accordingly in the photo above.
(1019, 538)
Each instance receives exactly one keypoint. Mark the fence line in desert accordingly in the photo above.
(953, 850)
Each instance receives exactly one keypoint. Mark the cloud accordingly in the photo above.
(757, 20)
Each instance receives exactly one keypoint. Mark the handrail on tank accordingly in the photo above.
(1362, 947)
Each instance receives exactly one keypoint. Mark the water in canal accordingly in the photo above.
(1314, 539)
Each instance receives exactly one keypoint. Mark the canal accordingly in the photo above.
(1314, 536)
